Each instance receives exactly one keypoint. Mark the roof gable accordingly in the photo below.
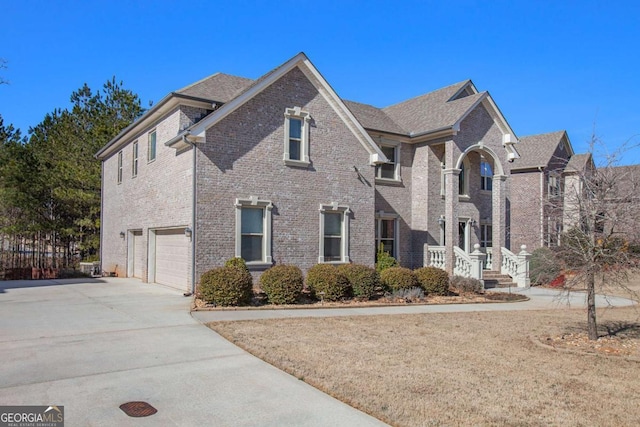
(444, 110)
(538, 150)
(301, 61)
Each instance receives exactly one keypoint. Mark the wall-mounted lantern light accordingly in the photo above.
(187, 232)
(441, 220)
(122, 234)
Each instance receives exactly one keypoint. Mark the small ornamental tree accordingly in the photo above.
(384, 259)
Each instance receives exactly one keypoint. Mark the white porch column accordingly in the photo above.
(499, 219)
(451, 216)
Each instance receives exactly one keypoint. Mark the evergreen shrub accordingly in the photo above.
(434, 281)
(396, 278)
(325, 281)
(226, 286)
(282, 283)
(362, 279)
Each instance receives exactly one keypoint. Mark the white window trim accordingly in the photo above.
(297, 113)
(382, 215)
(344, 249)
(155, 154)
(443, 179)
(120, 161)
(267, 206)
(396, 154)
(135, 154)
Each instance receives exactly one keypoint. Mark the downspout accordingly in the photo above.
(193, 214)
(101, 213)
(541, 170)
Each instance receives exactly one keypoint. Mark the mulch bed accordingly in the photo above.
(260, 304)
(609, 345)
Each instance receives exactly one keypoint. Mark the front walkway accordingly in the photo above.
(91, 345)
(539, 299)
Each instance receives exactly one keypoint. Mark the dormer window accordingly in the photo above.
(296, 137)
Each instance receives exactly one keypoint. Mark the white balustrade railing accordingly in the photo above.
(437, 256)
(462, 265)
(509, 263)
(488, 264)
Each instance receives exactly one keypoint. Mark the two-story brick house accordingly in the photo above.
(282, 170)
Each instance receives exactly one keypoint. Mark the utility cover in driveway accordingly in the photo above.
(172, 258)
(138, 409)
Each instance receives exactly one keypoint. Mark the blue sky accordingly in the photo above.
(549, 65)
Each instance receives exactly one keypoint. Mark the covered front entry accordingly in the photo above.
(170, 258)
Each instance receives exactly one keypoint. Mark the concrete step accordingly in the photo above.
(493, 279)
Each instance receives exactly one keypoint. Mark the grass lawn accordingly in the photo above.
(458, 368)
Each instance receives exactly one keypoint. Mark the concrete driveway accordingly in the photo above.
(92, 345)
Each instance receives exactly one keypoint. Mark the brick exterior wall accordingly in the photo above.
(159, 196)
(525, 209)
(243, 157)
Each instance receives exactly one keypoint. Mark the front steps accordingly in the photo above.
(493, 279)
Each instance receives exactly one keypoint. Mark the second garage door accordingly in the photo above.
(172, 258)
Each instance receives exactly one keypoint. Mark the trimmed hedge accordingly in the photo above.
(282, 283)
(226, 286)
(434, 281)
(326, 282)
(396, 278)
(466, 284)
(363, 280)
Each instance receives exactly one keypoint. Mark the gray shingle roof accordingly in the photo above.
(434, 110)
(578, 162)
(371, 117)
(537, 150)
(218, 87)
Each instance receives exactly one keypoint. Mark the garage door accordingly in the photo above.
(172, 258)
(138, 254)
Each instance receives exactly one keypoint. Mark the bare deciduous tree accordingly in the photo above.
(601, 238)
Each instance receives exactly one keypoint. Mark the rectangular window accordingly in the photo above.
(554, 186)
(151, 151)
(386, 235)
(332, 236)
(134, 165)
(486, 235)
(253, 231)
(391, 169)
(119, 167)
(296, 137)
(334, 233)
(486, 176)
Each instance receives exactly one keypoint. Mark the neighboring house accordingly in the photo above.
(282, 170)
(537, 188)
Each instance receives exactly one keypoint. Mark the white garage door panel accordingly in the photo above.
(138, 254)
(172, 258)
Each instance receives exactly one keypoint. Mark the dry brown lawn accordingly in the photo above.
(459, 368)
